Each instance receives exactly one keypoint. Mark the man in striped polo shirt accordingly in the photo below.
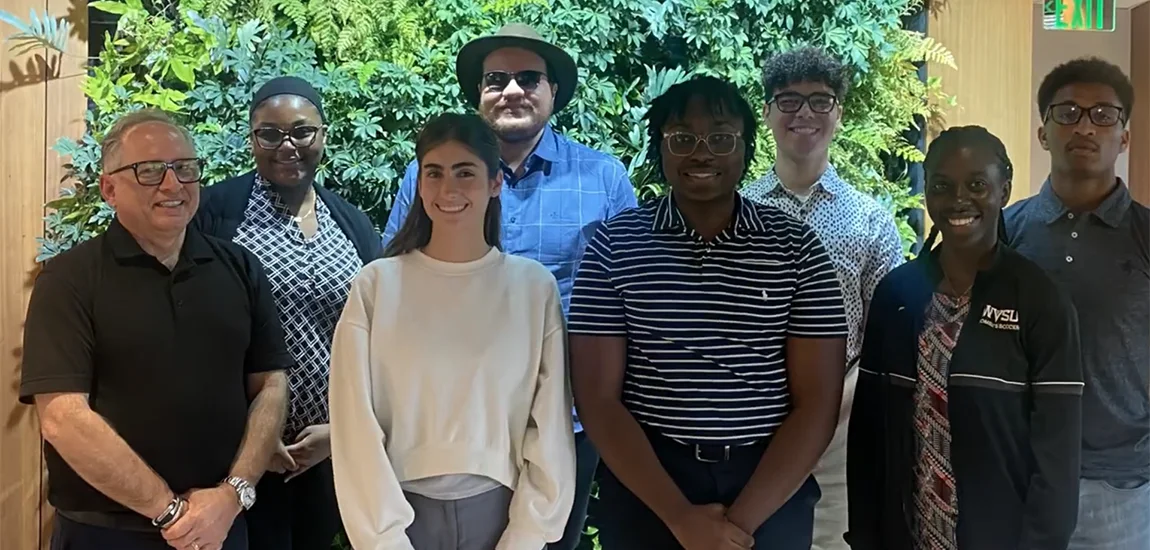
(708, 340)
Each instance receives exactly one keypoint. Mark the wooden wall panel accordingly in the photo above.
(1140, 121)
(40, 101)
(991, 42)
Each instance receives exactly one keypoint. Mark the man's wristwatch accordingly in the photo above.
(244, 490)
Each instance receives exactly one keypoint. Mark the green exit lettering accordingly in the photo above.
(1079, 15)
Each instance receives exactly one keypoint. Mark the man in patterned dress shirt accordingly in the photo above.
(806, 89)
(555, 191)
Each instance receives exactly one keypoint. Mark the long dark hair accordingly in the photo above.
(471, 132)
(953, 139)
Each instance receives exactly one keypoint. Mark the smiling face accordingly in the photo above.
(805, 132)
(516, 112)
(965, 195)
(702, 175)
(292, 127)
(455, 189)
(1084, 149)
(151, 212)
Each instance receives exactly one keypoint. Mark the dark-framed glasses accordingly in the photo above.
(682, 144)
(273, 138)
(151, 172)
(1069, 113)
(527, 80)
(792, 102)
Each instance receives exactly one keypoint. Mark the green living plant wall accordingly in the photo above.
(203, 68)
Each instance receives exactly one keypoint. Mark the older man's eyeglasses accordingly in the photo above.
(151, 173)
(1069, 113)
(273, 138)
(527, 80)
(682, 144)
(792, 102)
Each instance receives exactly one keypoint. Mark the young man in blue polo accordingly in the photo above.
(707, 347)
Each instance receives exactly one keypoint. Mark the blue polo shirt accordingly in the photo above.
(550, 211)
(707, 322)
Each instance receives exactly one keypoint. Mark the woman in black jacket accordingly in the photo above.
(965, 430)
(312, 244)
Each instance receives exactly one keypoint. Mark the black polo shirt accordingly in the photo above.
(707, 322)
(163, 355)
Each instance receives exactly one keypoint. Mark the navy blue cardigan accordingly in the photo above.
(222, 210)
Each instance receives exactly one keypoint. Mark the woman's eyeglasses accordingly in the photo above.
(151, 173)
(496, 81)
(792, 102)
(1068, 114)
(273, 138)
(682, 144)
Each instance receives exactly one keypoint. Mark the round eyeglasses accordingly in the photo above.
(792, 102)
(682, 144)
(273, 138)
(151, 173)
(1068, 114)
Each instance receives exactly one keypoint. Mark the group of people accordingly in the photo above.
(754, 365)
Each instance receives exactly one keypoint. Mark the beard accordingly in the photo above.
(514, 129)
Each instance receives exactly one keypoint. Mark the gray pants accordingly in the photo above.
(473, 523)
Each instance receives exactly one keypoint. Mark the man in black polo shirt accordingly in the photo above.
(155, 359)
(708, 339)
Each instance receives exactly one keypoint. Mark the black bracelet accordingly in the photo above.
(170, 513)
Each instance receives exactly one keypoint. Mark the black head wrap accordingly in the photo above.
(288, 85)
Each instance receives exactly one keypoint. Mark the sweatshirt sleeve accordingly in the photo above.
(375, 513)
(1052, 347)
(546, 488)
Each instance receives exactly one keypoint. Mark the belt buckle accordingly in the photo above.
(699, 455)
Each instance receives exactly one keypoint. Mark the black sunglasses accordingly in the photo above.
(527, 80)
(151, 173)
(273, 138)
(1069, 113)
(792, 102)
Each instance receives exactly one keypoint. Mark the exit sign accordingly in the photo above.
(1079, 15)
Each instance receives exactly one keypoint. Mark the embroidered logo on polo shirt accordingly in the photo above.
(1001, 319)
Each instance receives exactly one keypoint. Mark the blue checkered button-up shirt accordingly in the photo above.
(553, 209)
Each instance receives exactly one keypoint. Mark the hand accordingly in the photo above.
(311, 447)
(281, 461)
(706, 527)
(206, 523)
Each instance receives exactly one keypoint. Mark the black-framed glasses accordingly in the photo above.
(151, 172)
(1069, 113)
(791, 102)
(682, 144)
(527, 80)
(273, 138)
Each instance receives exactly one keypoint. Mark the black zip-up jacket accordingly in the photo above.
(1014, 402)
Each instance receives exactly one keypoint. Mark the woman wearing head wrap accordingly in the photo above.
(965, 431)
(311, 243)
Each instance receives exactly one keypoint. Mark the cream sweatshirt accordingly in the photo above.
(451, 368)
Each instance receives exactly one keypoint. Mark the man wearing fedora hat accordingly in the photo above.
(555, 191)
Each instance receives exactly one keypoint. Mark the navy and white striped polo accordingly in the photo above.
(707, 322)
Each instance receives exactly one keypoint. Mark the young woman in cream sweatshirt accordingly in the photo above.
(450, 406)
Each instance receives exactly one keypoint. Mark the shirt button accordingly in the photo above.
(513, 220)
(1070, 215)
(1074, 235)
(1069, 259)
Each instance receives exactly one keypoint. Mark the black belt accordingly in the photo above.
(705, 453)
(123, 521)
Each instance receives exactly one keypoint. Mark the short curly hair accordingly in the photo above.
(1087, 70)
(805, 64)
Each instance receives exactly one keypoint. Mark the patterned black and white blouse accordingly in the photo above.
(310, 280)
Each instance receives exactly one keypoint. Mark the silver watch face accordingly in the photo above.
(247, 497)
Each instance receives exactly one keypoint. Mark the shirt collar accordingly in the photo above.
(546, 151)
(668, 217)
(1111, 211)
(829, 181)
(125, 246)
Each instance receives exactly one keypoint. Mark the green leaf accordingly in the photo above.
(110, 6)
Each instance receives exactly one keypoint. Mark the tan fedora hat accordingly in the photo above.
(469, 62)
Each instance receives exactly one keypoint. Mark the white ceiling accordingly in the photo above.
(1121, 3)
